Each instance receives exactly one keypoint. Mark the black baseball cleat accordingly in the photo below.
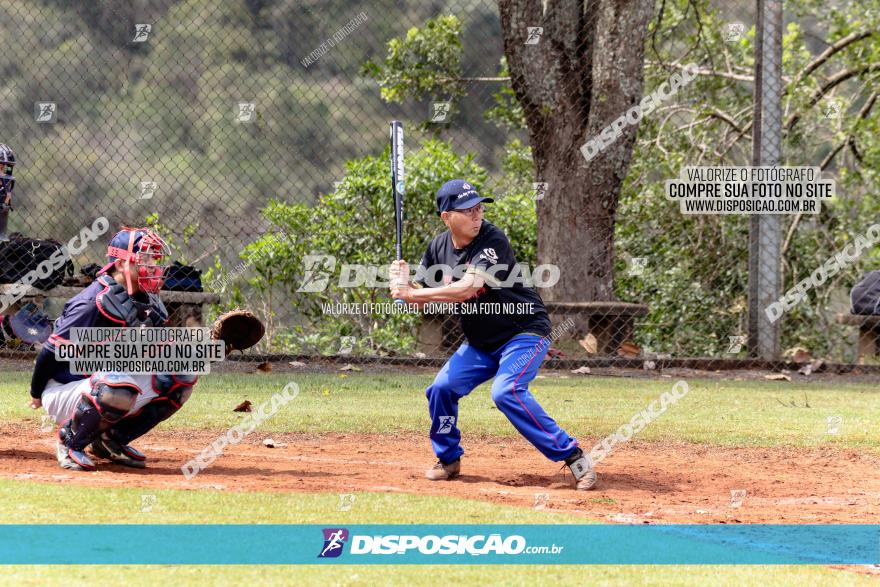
(121, 454)
(75, 460)
(581, 466)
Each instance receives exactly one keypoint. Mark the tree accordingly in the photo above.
(584, 71)
(582, 74)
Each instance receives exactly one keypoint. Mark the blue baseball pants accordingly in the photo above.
(513, 366)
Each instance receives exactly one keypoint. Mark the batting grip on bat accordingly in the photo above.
(399, 278)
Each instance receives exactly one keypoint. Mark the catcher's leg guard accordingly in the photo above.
(173, 392)
(111, 398)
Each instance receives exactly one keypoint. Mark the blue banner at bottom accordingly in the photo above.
(441, 544)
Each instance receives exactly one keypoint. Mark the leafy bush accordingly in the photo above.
(355, 225)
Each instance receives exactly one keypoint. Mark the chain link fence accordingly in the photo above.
(253, 136)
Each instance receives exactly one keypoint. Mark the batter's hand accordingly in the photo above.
(36, 403)
(398, 274)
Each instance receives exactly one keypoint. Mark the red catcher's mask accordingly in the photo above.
(149, 253)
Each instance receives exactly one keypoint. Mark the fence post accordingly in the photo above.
(765, 276)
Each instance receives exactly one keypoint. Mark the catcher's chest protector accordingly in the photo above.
(116, 305)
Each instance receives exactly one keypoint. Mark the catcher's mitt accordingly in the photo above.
(239, 329)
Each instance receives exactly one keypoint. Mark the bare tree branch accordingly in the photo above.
(716, 113)
(710, 72)
(834, 81)
(825, 55)
(863, 114)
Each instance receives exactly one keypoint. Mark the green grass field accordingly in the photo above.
(720, 413)
(714, 412)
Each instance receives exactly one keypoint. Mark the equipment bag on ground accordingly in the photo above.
(21, 255)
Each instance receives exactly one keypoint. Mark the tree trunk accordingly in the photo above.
(584, 72)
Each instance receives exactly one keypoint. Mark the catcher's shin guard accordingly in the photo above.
(173, 391)
(111, 397)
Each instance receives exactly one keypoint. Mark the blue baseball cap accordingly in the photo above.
(458, 194)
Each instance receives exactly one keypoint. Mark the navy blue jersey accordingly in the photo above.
(83, 310)
(505, 306)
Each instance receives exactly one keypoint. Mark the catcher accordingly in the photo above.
(106, 411)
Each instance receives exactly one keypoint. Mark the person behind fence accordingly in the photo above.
(7, 184)
(865, 295)
(506, 328)
(106, 411)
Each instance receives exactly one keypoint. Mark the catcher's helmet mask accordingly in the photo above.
(136, 246)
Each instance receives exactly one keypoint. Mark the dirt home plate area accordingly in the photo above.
(640, 483)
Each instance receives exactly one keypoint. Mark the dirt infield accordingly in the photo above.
(642, 483)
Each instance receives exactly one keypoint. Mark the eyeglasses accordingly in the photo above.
(474, 212)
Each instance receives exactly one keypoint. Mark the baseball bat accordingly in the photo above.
(397, 187)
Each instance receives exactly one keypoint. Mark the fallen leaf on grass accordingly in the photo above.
(777, 377)
(244, 406)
